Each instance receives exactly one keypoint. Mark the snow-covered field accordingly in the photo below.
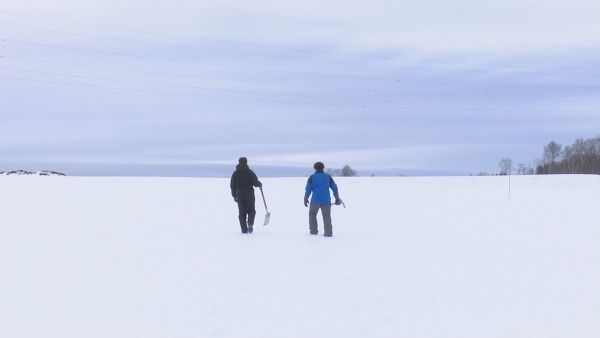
(410, 257)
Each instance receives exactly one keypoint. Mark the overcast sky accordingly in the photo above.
(175, 87)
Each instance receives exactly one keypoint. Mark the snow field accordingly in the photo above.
(410, 257)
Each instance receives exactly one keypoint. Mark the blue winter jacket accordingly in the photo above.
(319, 184)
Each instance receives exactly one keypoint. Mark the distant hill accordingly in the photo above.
(26, 172)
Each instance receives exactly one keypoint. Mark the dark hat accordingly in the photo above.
(243, 160)
(319, 166)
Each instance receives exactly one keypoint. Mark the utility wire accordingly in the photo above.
(538, 69)
(123, 29)
(195, 77)
(196, 48)
(96, 51)
(430, 66)
(311, 85)
(151, 91)
(87, 77)
(439, 104)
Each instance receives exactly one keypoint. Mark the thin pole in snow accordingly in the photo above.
(509, 170)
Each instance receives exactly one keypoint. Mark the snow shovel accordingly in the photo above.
(268, 215)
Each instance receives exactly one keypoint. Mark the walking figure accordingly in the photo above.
(318, 185)
(242, 186)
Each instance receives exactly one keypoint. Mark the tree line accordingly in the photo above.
(582, 157)
(346, 171)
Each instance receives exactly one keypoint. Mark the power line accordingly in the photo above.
(96, 36)
(431, 66)
(444, 104)
(96, 51)
(312, 85)
(151, 91)
(187, 76)
(73, 22)
(182, 86)
(544, 69)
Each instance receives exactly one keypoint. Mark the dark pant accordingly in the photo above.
(312, 218)
(247, 212)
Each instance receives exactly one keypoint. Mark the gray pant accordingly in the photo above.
(312, 218)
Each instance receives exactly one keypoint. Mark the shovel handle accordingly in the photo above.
(263, 198)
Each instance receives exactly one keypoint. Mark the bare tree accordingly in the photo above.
(348, 171)
(333, 172)
(505, 166)
(582, 157)
(530, 170)
(522, 169)
(551, 153)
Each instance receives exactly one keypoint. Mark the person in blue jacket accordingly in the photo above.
(318, 185)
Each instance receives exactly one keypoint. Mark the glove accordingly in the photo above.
(338, 201)
(306, 201)
(259, 184)
(235, 199)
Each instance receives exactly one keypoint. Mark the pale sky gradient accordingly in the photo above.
(186, 87)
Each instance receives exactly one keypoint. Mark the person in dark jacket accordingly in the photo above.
(318, 185)
(242, 186)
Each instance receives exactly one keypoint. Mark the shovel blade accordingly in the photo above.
(267, 218)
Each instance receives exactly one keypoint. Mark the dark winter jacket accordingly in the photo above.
(319, 184)
(243, 180)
